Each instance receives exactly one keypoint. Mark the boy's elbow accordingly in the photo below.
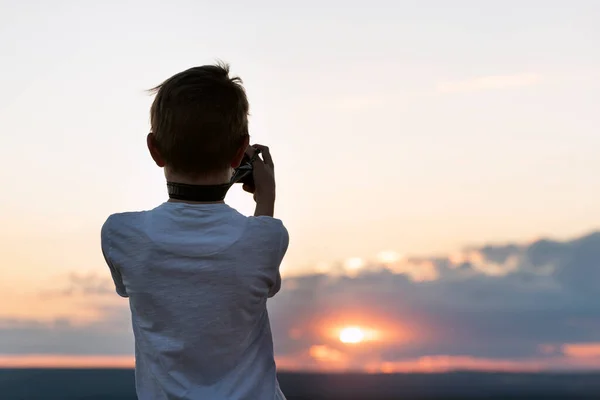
(121, 291)
(276, 287)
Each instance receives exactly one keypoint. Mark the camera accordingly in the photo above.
(243, 173)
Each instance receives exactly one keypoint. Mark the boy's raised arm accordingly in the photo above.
(264, 181)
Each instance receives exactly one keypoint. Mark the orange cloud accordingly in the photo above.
(331, 360)
(327, 354)
(317, 358)
(581, 350)
(442, 363)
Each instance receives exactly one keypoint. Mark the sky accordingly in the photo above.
(405, 133)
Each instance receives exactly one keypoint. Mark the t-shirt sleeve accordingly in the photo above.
(284, 240)
(106, 252)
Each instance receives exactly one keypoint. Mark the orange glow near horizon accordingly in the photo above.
(65, 361)
(323, 358)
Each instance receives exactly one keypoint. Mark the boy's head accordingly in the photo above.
(199, 121)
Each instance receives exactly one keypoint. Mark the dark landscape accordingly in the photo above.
(118, 384)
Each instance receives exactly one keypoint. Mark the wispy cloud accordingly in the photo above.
(492, 82)
(83, 284)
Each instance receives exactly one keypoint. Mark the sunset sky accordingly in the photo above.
(423, 149)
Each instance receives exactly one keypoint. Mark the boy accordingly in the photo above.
(198, 273)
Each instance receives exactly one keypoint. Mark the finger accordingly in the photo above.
(253, 154)
(266, 154)
(248, 188)
(250, 151)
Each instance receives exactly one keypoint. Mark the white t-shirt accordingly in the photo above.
(198, 277)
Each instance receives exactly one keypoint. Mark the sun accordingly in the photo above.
(352, 335)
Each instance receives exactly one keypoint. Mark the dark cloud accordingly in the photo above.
(495, 301)
(111, 336)
(510, 302)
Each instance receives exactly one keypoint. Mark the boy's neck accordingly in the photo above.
(217, 178)
(211, 179)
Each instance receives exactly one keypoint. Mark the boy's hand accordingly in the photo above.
(264, 181)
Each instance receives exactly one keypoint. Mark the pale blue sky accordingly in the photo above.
(414, 126)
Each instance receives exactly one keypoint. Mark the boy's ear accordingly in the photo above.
(154, 151)
(239, 156)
